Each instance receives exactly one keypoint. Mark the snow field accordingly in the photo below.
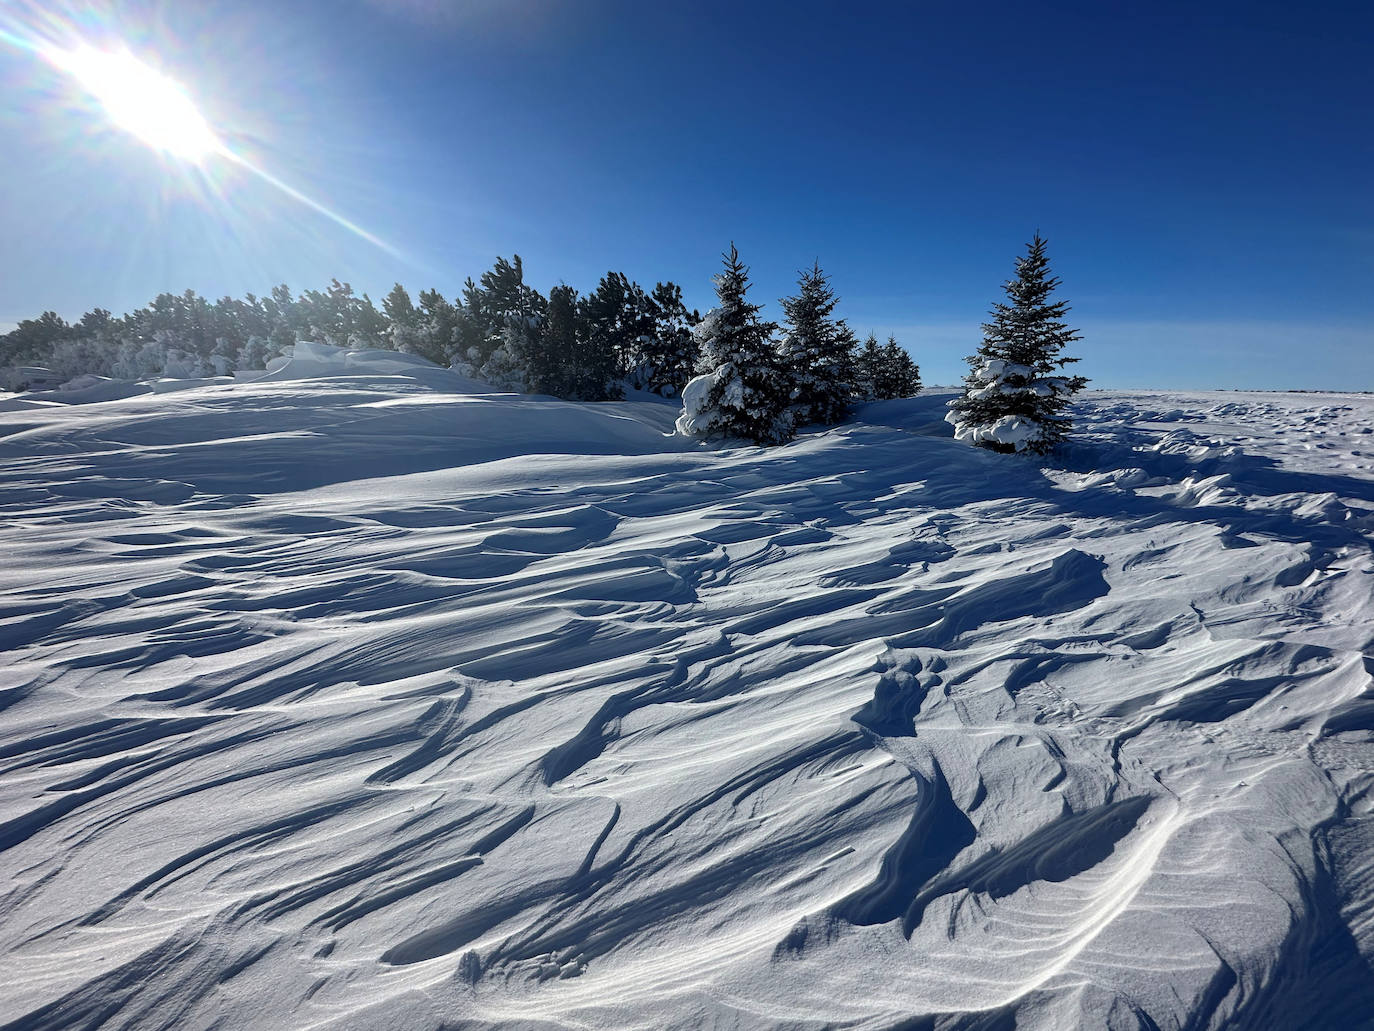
(365, 701)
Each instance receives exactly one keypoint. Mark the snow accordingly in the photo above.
(362, 697)
(695, 419)
(1016, 430)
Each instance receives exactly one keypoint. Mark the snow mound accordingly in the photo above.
(323, 361)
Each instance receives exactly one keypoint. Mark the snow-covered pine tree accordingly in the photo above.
(1011, 402)
(741, 391)
(814, 352)
(504, 314)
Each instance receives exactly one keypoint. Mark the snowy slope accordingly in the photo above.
(352, 702)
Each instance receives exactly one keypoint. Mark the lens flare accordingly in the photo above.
(140, 100)
(148, 104)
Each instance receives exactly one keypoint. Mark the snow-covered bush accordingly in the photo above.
(94, 355)
(256, 353)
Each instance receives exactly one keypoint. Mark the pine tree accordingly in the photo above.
(431, 330)
(901, 376)
(398, 307)
(672, 353)
(552, 365)
(503, 316)
(741, 391)
(868, 369)
(1010, 400)
(814, 352)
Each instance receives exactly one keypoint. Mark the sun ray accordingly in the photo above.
(310, 202)
(159, 111)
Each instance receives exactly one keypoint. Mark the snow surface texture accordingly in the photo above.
(348, 702)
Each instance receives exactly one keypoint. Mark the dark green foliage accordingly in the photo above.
(815, 352)
(32, 338)
(617, 316)
(749, 398)
(552, 367)
(399, 309)
(666, 354)
(899, 376)
(884, 371)
(868, 369)
(1010, 376)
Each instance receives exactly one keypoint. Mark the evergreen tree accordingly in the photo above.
(616, 316)
(868, 369)
(670, 354)
(815, 352)
(504, 316)
(900, 375)
(741, 391)
(1010, 400)
(399, 309)
(552, 366)
(32, 339)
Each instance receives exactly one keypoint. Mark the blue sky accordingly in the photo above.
(1202, 171)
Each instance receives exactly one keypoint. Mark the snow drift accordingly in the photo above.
(363, 700)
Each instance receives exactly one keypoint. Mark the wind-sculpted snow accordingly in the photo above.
(346, 703)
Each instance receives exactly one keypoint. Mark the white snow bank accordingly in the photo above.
(170, 385)
(89, 389)
(321, 361)
(29, 377)
(273, 435)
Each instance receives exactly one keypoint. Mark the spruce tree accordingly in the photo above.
(399, 309)
(552, 366)
(814, 353)
(901, 376)
(672, 353)
(1011, 402)
(868, 369)
(741, 391)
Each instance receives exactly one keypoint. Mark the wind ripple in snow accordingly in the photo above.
(349, 704)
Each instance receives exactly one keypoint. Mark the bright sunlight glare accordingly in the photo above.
(141, 100)
(157, 110)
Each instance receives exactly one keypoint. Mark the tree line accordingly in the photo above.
(498, 329)
(739, 375)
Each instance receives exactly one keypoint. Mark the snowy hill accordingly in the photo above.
(368, 701)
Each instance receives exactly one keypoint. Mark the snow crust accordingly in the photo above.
(357, 701)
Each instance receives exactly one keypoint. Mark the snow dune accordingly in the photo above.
(369, 701)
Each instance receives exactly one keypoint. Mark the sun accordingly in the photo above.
(141, 100)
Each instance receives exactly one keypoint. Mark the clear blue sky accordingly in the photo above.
(1203, 171)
